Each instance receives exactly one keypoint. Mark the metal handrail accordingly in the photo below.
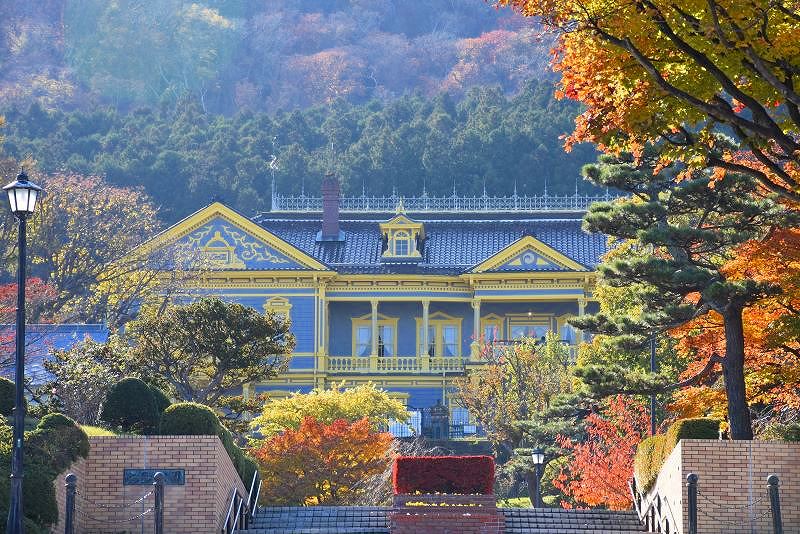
(241, 509)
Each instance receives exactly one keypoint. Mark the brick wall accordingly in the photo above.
(445, 514)
(732, 486)
(104, 504)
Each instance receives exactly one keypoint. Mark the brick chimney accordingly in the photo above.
(330, 210)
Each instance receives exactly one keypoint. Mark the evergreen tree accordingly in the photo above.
(680, 228)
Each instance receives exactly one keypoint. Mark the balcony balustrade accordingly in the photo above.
(395, 364)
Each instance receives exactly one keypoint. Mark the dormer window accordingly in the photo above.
(403, 238)
(402, 244)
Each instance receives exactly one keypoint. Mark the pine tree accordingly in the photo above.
(679, 228)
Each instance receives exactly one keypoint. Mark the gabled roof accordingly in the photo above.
(240, 243)
(453, 245)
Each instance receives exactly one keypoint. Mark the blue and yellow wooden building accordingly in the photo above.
(398, 292)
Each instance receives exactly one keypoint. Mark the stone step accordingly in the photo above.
(375, 520)
(312, 531)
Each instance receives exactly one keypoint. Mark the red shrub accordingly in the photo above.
(443, 474)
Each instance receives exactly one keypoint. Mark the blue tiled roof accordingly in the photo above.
(451, 246)
(42, 339)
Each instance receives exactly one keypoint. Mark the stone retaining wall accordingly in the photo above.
(732, 488)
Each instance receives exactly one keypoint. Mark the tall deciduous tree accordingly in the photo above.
(771, 332)
(321, 463)
(680, 70)
(517, 382)
(209, 348)
(684, 231)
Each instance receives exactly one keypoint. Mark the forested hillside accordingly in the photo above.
(184, 157)
(261, 55)
(197, 100)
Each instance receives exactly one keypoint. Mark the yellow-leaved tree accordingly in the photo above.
(329, 405)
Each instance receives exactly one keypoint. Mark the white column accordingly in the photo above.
(476, 320)
(581, 311)
(374, 327)
(326, 336)
(475, 346)
(425, 328)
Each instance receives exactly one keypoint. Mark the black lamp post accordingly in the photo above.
(537, 455)
(22, 197)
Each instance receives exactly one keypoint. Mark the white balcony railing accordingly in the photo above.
(394, 364)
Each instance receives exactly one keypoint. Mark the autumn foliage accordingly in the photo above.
(443, 474)
(600, 467)
(771, 328)
(321, 463)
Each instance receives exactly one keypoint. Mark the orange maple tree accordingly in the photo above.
(321, 464)
(772, 332)
(600, 467)
(677, 70)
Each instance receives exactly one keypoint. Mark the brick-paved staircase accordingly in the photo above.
(374, 520)
(560, 521)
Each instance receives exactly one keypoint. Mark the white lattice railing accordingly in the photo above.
(388, 204)
(394, 364)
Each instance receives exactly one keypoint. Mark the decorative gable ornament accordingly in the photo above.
(219, 238)
(528, 254)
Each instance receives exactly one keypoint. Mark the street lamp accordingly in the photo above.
(22, 197)
(537, 455)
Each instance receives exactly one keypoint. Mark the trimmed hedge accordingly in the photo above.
(443, 474)
(7, 390)
(192, 419)
(49, 450)
(653, 451)
(130, 405)
(160, 399)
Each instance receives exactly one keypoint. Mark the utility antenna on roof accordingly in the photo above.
(484, 187)
(576, 186)
(515, 188)
(363, 187)
(454, 189)
(394, 191)
(424, 187)
(545, 186)
(273, 164)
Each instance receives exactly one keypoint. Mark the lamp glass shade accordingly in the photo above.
(537, 455)
(22, 195)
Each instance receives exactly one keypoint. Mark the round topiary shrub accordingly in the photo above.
(7, 391)
(129, 404)
(57, 442)
(160, 400)
(55, 420)
(190, 418)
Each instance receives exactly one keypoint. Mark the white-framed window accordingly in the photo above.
(449, 340)
(402, 243)
(363, 340)
(444, 336)
(386, 340)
